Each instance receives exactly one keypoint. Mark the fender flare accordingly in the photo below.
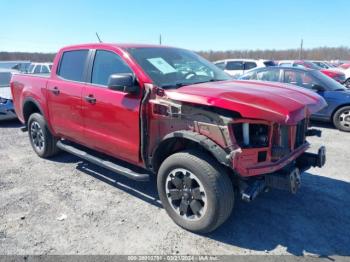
(31, 100)
(209, 145)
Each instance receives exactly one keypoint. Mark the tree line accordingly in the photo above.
(320, 53)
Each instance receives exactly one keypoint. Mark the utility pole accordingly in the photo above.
(301, 50)
(160, 39)
(98, 37)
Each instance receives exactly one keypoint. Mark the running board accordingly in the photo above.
(102, 163)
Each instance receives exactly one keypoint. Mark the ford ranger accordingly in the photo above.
(143, 110)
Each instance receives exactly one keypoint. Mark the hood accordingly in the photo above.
(281, 103)
(5, 92)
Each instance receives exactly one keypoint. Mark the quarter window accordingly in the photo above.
(107, 63)
(300, 79)
(249, 65)
(72, 65)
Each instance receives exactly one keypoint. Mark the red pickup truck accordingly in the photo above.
(168, 112)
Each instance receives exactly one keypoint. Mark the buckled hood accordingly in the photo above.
(280, 103)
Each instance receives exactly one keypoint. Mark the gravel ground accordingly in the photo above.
(67, 206)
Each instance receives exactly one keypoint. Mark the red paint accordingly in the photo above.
(111, 125)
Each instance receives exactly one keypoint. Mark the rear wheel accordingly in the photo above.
(195, 191)
(341, 119)
(41, 139)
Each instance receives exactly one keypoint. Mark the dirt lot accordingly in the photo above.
(67, 206)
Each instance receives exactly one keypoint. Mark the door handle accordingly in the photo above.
(55, 90)
(90, 99)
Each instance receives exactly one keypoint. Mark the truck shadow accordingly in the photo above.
(315, 220)
(13, 123)
(321, 124)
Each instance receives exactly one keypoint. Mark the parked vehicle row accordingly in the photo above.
(237, 67)
(335, 94)
(168, 112)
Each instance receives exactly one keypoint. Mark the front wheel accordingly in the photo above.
(341, 119)
(195, 191)
(41, 139)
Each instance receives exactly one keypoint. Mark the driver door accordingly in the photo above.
(111, 118)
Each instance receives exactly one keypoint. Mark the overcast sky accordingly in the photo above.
(46, 26)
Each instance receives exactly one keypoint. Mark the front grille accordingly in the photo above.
(300, 134)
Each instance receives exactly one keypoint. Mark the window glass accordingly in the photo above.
(45, 69)
(174, 67)
(72, 65)
(220, 65)
(300, 78)
(234, 65)
(107, 63)
(37, 69)
(269, 75)
(5, 78)
(249, 65)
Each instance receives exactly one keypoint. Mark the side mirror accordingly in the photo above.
(122, 82)
(318, 88)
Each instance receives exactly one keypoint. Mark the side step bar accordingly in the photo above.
(103, 163)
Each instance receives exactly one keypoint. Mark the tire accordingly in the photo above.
(208, 177)
(41, 139)
(341, 119)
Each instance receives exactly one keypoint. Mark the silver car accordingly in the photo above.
(6, 105)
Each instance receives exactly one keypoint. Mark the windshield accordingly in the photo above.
(328, 83)
(173, 67)
(5, 78)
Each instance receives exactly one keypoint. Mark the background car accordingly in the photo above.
(335, 94)
(21, 66)
(237, 67)
(6, 105)
(39, 68)
(335, 74)
(323, 64)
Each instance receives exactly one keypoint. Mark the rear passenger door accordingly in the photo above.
(111, 120)
(64, 95)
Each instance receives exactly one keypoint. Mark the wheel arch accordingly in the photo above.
(180, 140)
(31, 106)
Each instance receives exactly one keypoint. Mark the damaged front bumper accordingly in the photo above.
(289, 178)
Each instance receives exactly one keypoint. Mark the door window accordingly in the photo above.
(300, 78)
(45, 69)
(107, 63)
(37, 69)
(72, 65)
(249, 65)
(234, 65)
(269, 75)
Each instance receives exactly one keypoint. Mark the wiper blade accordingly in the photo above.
(176, 85)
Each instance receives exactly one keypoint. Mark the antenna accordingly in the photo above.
(98, 37)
